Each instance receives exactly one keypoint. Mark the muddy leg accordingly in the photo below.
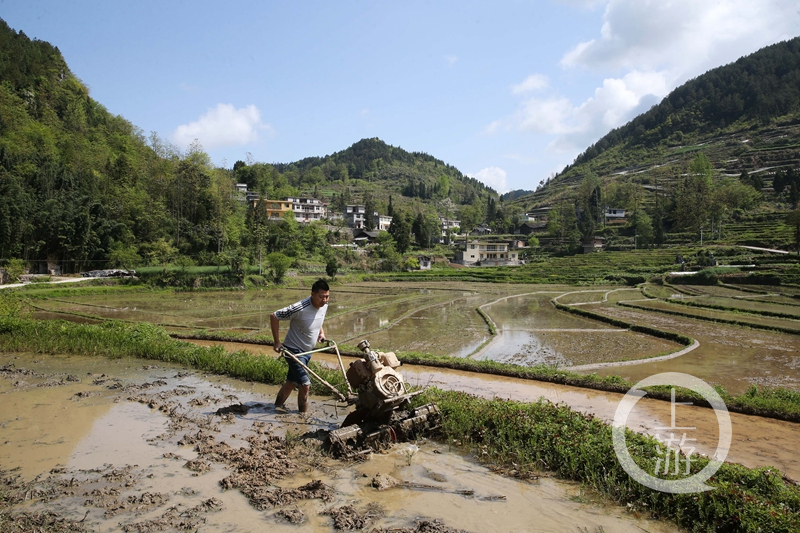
(302, 398)
(284, 393)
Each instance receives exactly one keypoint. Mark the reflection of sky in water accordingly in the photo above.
(522, 347)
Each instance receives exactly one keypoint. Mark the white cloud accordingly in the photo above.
(534, 82)
(451, 60)
(577, 126)
(550, 116)
(494, 177)
(223, 125)
(686, 37)
(492, 128)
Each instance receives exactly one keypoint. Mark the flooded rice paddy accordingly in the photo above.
(443, 319)
(62, 417)
(129, 446)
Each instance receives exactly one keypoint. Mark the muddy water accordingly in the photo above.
(129, 468)
(730, 356)
(441, 318)
(530, 331)
(756, 441)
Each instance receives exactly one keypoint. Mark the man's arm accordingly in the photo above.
(321, 337)
(274, 325)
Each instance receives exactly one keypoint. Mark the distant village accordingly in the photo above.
(476, 248)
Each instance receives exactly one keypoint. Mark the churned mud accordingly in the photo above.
(756, 441)
(88, 444)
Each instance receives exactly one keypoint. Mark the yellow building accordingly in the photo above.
(276, 209)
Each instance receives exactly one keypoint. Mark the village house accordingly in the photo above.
(276, 209)
(487, 253)
(354, 216)
(381, 222)
(362, 237)
(614, 215)
(481, 230)
(449, 227)
(592, 244)
(308, 209)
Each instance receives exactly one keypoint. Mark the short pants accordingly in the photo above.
(297, 374)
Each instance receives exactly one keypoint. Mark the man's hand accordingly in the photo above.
(277, 346)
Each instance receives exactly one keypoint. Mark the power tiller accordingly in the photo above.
(380, 396)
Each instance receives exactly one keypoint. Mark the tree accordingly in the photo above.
(279, 264)
(400, 230)
(369, 213)
(562, 223)
(124, 256)
(694, 195)
(643, 228)
(16, 268)
(332, 266)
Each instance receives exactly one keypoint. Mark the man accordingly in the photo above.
(305, 331)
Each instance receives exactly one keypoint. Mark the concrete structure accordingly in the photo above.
(381, 222)
(276, 209)
(490, 253)
(481, 230)
(449, 228)
(424, 262)
(308, 209)
(354, 216)
(593, 244)
(614, 214)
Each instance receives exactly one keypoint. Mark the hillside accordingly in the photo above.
(743, 117)
(85, 189)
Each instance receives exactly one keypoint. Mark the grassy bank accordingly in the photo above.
(542, 436)
(526, 436)
(116, 339)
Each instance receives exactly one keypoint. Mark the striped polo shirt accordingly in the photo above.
(305, 321)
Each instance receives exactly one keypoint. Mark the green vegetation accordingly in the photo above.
(534, 437)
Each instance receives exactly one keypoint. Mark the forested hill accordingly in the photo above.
(410, 174)
(744, 116)
(85, 188)
(760, 87)
(67, 166)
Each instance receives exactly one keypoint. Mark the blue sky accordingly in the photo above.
(507, 91)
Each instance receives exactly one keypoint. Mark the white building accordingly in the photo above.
(308, 209)
(381, 222)
(448, 227)
(492, 253)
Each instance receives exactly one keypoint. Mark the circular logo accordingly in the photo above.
(673, 460)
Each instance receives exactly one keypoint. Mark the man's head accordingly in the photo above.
(320, 293)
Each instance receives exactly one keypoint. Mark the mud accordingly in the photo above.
(169, 450)
(757, 441)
